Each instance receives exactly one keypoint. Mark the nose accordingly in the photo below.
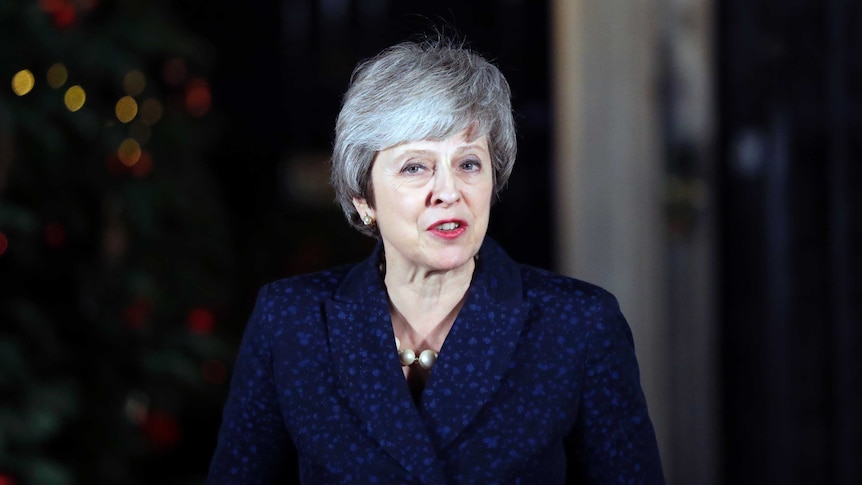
(445, 190)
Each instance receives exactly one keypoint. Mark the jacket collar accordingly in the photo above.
(467, 373)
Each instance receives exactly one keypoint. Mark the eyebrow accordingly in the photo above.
(430, 153)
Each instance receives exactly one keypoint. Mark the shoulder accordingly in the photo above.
(313, 286)
(555, 302)
(572, 303)
(298, 294)
(291, 307)
(546, 286)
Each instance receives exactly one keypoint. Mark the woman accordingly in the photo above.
(437, 359)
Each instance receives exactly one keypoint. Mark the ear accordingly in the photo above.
(363, 208)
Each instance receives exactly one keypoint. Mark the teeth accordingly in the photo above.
(448, 226)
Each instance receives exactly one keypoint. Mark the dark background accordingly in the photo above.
(790, 231)
(281, 89)
(239, 198)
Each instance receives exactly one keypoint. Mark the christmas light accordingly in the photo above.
(4, 244)
(134, 83)
(198, 97)
(162, 429)
(57, 75)
(65, 15)
(129, 152)
(23, 82)
(151, 111)
(201, 320)
(137, 405)
(75, 98)
(144, 165)
(126, 109)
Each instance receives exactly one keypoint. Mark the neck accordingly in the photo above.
(424, 304)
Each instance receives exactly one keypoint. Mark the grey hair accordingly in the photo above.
(414, 91)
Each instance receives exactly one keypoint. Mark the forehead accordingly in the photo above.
(461, 141)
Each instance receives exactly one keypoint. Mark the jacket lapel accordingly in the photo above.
(479, 347)
(369, 373)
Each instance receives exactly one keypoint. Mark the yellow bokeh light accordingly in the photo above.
(134, 83)
(75, 98)
(126, 109)
(57, 75)
(23, 82)
(129, 152)
(151, 111)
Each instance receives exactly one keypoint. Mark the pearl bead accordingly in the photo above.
(407, 356)
(427, 358)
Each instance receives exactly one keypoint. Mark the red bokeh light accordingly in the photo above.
(4, 245)
(64, 16)
(144, 165)
(198, 97)
(141, 168)
(162, 429)
(201, 320)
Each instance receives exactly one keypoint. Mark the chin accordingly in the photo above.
(452, 260)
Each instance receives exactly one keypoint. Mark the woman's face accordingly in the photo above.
(432, 200)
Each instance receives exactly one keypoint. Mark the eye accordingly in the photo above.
(413, 168)
(471, 165)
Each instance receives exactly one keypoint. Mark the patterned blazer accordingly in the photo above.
(537, 382)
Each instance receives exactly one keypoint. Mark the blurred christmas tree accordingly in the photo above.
(114, 258)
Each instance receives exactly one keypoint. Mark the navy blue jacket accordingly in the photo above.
(537, 382)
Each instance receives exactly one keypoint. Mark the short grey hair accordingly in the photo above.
(413, 91)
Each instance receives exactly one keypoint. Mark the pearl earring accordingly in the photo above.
(367, 220)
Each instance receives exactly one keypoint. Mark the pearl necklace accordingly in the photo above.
(408, 357)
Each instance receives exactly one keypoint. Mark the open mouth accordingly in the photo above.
(447, 226)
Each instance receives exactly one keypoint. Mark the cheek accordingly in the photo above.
(483, 199)
(394, 205)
